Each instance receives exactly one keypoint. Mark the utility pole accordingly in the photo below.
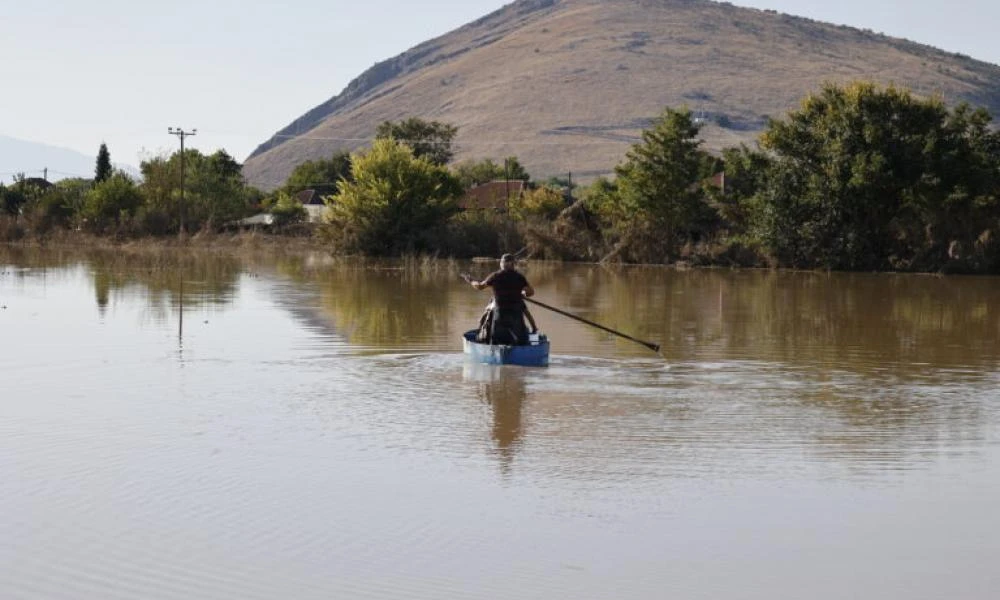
(182, 134)
(506, 179)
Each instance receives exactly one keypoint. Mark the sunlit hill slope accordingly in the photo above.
(567, 85)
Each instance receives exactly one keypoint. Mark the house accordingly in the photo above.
(313, 203)
(718, 181)
(492, 195)
(39, 182)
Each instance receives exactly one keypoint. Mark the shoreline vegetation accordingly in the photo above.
(256, 242)
(858, 178)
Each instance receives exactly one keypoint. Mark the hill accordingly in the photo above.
(32, 158)
(568, 85)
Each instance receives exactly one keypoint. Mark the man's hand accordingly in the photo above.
(476, 284)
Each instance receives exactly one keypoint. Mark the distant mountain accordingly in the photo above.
(568, 85)
(42, 160)
(32, 158)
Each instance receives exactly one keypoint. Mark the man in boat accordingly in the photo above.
(510, 288)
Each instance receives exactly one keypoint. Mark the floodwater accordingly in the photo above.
(189, 426)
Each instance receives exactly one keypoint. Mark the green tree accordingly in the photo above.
(395, 204)
(322, 175)
(23, 191)
(11, 199)
(601, 197)
(215, 192)
(429, 139)
(558, 181)
(513, 169)
(746, 174)
(865, 177)
(472, 172)
(160, 212)
(109, 203)
(103, 168)
(287, 210)
(544, 202)
(56, 205)
(660, 203)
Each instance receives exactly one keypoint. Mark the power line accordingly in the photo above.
(49, 171)
(592, 138)
(54, 172)
(460, 142)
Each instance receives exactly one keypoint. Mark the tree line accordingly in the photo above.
(858, 177)
(115, 203)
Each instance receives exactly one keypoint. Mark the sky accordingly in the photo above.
(76, 73)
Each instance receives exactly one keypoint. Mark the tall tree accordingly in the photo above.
(103, 170)
(428, 139)
(660, 202)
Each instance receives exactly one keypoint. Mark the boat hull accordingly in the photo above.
(535, 355)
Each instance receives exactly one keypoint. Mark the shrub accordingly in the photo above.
(110, 202)
(544, 202)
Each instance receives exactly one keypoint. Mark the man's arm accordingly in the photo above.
(531, 320)
(528, 291)
(479, 285)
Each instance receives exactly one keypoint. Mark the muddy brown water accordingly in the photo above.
(230, 428)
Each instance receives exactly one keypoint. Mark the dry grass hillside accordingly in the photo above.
(568, 85)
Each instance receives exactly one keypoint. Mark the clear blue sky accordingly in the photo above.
(79, 72)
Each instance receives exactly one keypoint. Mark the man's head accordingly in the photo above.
(507, 262)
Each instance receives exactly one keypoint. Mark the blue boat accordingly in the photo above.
(534, 355)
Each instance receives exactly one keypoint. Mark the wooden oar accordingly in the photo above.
(650, 345)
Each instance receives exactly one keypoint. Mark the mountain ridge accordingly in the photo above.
(383, 71)
(38, 159)
(570, 84)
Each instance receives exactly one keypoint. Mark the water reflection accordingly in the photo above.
(158, 275)
(881, 326)
(861, 322)
(882, 361)
(503, 389)
(387, 306)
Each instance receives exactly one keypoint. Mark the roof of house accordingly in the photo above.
(39, 182)
(493, 194)
(307, 197)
